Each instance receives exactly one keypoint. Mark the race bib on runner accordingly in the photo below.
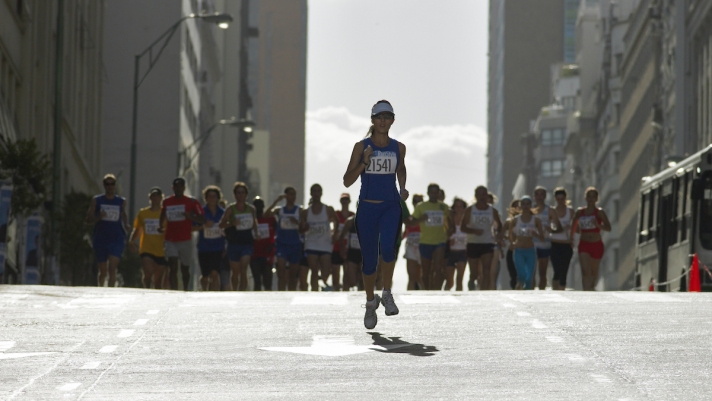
(286, 223)
(353, 241)
(459, 241)
(436, 218)
(151, 226)
(263, 230)
(318, 228)
(382, 163)
(586, 223)
(243, 221)
(413, 238)
(175, 213)
(212, 232)
(111, 212)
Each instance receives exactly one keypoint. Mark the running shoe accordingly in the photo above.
(389, 304)
(370, 319)
(471, 285)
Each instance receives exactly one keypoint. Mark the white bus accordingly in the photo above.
(675, 222)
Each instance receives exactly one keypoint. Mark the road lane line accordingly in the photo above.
(107, 349)
(576, 358)
(91, 365)
(69, 386)
(523, 314)
(538, 325)
(90, 388)
(125, 333)
(555, 339)
(141, 322)
(601, 379)
(152, 312)
(32, 381)
(509, 305)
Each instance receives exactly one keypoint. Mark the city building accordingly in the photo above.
(28, 98)
(176, 104)
(526, 38)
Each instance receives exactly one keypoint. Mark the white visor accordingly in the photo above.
(381, 108)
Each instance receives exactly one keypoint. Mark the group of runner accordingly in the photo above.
(440, 240)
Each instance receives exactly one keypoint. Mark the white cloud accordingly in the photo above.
(453, 156)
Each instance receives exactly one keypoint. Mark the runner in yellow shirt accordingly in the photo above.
(434, 219)
(153, 260)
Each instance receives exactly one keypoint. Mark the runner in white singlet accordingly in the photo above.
(316, 223)
(480, 222)
(457, 260)
(550, 223)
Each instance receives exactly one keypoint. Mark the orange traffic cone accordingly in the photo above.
(695, 275)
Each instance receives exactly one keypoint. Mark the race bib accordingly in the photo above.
(286, 223)
(353, 241)
(111, 212)
(318, 228)
(459, 241)
(382, 163)
(587, 223)
(263, 230)
(413, 239)
(150, 226)
(524, 232)
(212, 232)
(481, 220)
(243, 221)
(175, 213)
(436, 218)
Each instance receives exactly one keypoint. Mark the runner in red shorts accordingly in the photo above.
(590, 220)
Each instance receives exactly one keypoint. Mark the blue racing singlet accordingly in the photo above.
(109, 228)
(378, 180)
(287, 230)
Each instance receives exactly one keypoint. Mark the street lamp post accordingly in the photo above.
(222, 20)
(244, 124)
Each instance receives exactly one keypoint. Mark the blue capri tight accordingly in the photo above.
(378, 226)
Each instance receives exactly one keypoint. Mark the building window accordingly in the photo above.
(552, 137)
(552, 168)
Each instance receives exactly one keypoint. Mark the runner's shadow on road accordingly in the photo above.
(394, 345)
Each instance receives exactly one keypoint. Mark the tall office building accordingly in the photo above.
(526, 38)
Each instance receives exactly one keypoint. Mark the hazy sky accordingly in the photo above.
(428, 58)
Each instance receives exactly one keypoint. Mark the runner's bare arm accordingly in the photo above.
(606, 226)
(574, 225)
(91, 219)
(273, 209)
(125, 217)
(554, 218)
(225, 220)
(498, 238)
(356, 167)
(539, 229)
(255, 231)
(401, 173)
(162, 221)
(303, 225)
(347, 228)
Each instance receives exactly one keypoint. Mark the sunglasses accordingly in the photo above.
(384, 116)
(109, 184)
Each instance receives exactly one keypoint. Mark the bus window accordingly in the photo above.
(705, 217)
(652, 213)
(684, 205)
(642, 233)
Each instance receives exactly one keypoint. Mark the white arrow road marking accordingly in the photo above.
(140, 322)
(428, 299)
(335, 346)
(601, 379)
(640, 296)
(6, 345)
(152, 312)
(320, 299)
(69, 386)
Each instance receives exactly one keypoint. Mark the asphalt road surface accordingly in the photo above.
(63, 343)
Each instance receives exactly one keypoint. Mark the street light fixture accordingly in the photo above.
(221, 19)
(245, 124)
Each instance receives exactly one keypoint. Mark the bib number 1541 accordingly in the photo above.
(381, 165)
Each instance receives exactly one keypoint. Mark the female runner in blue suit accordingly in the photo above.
(379, 160)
